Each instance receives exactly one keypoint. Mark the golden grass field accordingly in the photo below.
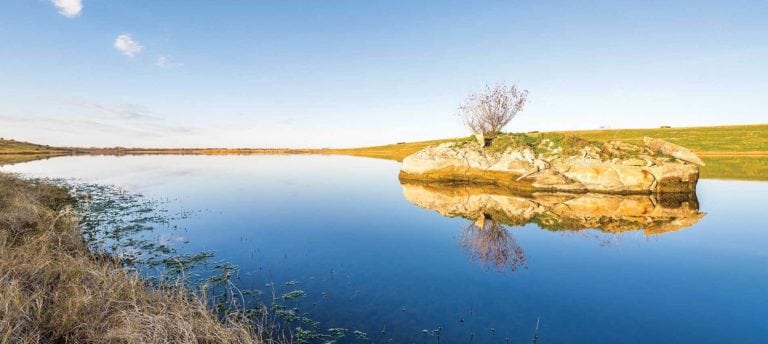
(731, 152)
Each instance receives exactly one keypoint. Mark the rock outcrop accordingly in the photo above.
(654, 214)
(567, 164)
(679, 152)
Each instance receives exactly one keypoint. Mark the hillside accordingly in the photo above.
(12, 151)
(20, 147)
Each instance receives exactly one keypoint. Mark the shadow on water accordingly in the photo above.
(494, 213)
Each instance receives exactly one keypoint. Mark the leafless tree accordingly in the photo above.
(487, 112)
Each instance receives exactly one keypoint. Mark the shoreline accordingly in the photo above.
(723, 167)
(57, 289)
(723, 140)
(734, 152)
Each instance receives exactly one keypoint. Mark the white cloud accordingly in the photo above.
(127, 46)
(164, 61)
(69, 8)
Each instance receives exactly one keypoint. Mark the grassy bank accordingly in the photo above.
(56, 290)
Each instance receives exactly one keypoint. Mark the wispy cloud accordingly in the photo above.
(119, 122)
(69, 8)
(166, 62)
(126, 111)
(127, 46)
(88, 127)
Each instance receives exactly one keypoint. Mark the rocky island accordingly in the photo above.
(556, 162)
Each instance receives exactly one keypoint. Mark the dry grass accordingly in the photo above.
(55, 290)
(390, 152)
(20, 147)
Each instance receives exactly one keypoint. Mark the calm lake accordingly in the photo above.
(375, 256)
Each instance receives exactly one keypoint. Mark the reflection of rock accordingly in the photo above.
(655, 214)
(615, 167)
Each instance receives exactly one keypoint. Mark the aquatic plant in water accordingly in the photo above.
(124, 224)
(293, 295)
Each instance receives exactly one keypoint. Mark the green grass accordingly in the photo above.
(726, 139)
(540, 143)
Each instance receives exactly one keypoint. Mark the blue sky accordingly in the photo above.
(351, 73)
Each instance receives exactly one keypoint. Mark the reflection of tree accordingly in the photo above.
(487, 241)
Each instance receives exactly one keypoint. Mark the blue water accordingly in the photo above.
(368, 259)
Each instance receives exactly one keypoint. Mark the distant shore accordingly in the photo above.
(738, 151)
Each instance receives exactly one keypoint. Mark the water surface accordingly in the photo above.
(373, 257)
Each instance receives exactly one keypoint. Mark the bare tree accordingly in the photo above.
(487, 112)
